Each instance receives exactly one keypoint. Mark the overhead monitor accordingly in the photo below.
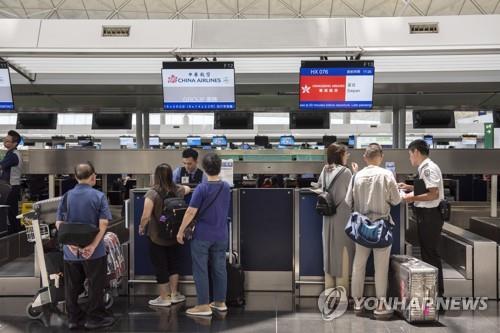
(111, 121)
(193, 141)
(36, 120)
(6, 100)
(261, 140)
(233, 120)
(198, 86)
(334, 85)
(287, 140)
(219, 141)
(433, 119)
(309, 120)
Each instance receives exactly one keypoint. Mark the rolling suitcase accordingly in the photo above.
(414, 283)
(235, 275)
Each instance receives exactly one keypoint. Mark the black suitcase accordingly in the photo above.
(235, 295)
(235, 282)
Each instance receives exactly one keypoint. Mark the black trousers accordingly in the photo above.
(75, 273)
(165, 260)
(13, 202)
(429, 227)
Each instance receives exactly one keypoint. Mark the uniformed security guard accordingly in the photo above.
(11, 167)
(427, 201)
(84, 204)
(189, 174)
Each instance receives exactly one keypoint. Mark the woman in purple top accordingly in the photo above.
(210, 204)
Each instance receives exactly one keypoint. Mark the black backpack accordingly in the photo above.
(325, 205)
(171, 216)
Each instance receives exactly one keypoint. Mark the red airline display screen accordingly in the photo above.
(326, 85)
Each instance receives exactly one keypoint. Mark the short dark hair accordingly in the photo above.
(419, 145)
(84, 170)
(190, 152)
(16, 137)
(334, 153)
(211, 164)
(373, 150)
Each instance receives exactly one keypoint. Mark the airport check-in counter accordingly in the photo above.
(277, 234)
(469, 260)
(280, 248)
(488, 227)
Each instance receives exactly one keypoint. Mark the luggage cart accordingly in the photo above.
(51, 292)
(36, 233)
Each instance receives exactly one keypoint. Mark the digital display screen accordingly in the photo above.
(126, 141)
(193, 141)
(6, 100)
(330, 85)
(352, 141)
(154, 141)
(219, 141)
(287, 140)
(198, 86)
(429, 139)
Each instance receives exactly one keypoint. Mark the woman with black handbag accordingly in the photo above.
(164, 253)
(338, 249)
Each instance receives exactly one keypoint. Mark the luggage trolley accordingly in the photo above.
(40, 228)
(37, 232)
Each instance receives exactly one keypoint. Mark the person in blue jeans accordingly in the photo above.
(211, 201)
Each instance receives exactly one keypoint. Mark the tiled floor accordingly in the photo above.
(265, 312)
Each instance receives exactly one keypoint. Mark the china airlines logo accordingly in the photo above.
(172, 79)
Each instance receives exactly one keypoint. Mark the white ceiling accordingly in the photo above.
(227, 9)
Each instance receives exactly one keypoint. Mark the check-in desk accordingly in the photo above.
(308, 264)
(469, 260)
(488, 227)
(277, 234)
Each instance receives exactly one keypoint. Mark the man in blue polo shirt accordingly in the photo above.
(84, 204)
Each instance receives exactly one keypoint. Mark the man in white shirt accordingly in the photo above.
(371, 193)
(429, 219)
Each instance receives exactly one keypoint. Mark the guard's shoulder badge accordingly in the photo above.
(427, 173)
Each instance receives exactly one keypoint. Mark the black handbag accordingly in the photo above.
(75, 233)
(189, 231)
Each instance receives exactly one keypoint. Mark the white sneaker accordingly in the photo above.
(158, 301)
(177, 298)
(199, 311)
(222, 308)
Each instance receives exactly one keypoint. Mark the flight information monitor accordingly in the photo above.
(287, 140)
(333, 85)
(154, 141)
(193, 141)
(6, 100)
(219, 141)
(198, 86)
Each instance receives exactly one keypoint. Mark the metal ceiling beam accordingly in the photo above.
(182, 9)
(352, 8)
(479, 7)
(117, 10)
(28, 76)
(55, 9)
